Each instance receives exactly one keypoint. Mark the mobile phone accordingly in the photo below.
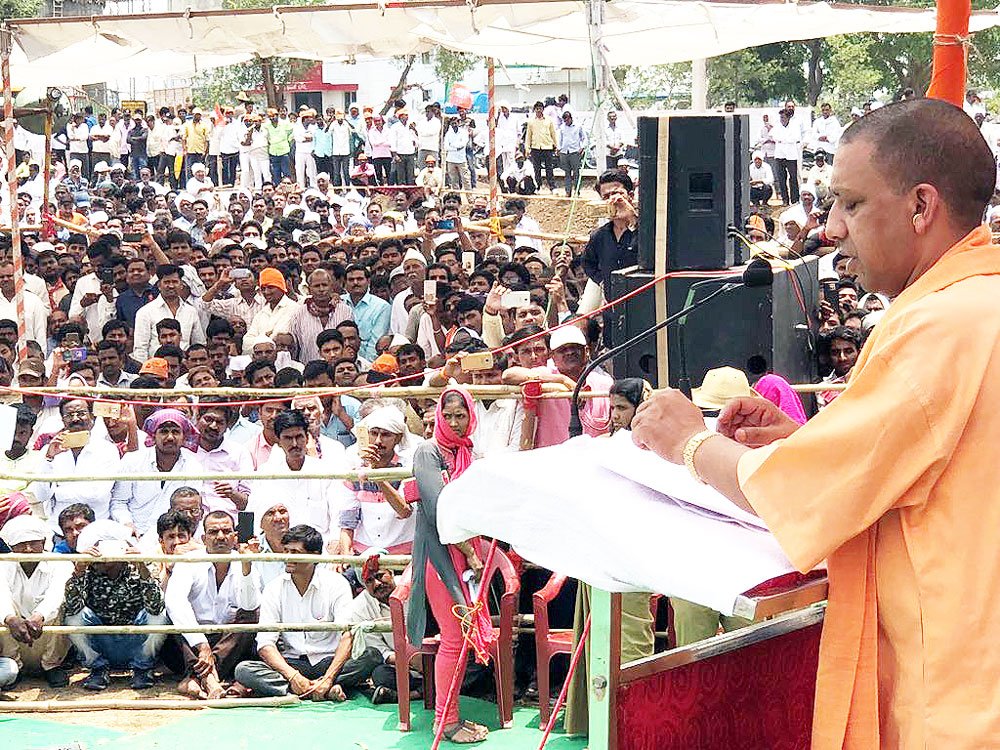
(244, 526)
(515, 299)
(830, 294)
(361, 432)
(430, 292)
(76, 439)
(240, 273)
(445, 224)
(109, 409)
(132, 237)
(477, 361)
(74, 354)
(468, 262)
(107, 276)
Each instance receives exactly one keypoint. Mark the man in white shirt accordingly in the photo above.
(276, 315)
(35, 316)
(506, 137)
(456, 139)
(77, 133)
(614, 139)
(819, 174)
(826, 132)
(255, 167)
(415, 269)
(317, 666)
(761, 180)
(340, 149)
(315, 502)
(101, 135)
(138, 503)
(305, 164)
(233, 132)
(95, 457)
(31, 597)
(167, 305)
(787, 136)
(218, 452)
(428, 135)
(404, 139)
(218, 593)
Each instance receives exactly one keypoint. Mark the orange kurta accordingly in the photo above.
(897, 485)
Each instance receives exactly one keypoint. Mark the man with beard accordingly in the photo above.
(213, 594)
(322, 309)
(219, 453)
(171, 439)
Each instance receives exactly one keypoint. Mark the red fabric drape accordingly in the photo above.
(948, 77)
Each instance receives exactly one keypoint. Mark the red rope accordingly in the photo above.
(467, 641)
(569, 676)
(395, 381)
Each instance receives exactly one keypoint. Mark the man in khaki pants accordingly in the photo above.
(31, 597)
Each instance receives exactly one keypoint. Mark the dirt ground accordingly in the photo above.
(32, 689)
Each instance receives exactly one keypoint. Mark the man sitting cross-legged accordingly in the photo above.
(314, 665)
(213, 594)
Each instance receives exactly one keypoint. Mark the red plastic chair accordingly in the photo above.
(549, 642)
(502, 652)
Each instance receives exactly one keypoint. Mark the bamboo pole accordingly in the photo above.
(481, 391)
(6, 46)
(236, 627)
(373, 475)
(386, 561)
(23, 228)
(144, 704)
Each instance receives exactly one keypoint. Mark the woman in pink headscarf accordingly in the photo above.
(438, 569)
(779, 392)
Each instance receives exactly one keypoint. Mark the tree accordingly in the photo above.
(663, 86)
(758, 75)
(269, 74)
(19, 8)
(450, 66)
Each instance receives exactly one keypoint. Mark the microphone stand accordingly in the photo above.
(683, 379)
(575, 425)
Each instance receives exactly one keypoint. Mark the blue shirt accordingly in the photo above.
(62, 548)
(571, 138)
(128, 303)
(322, 143)
(337, 430)
(372, 314)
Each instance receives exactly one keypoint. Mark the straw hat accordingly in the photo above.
(720, 386)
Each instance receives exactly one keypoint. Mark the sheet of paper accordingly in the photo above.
(8, 420)
(561, 508)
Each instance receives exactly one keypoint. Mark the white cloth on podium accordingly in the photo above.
(617, 517)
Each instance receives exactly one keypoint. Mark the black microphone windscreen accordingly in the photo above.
(758, 273)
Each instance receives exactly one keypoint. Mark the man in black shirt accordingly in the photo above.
(614, 245)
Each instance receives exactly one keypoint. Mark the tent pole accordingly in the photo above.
(598, 82)
(492, 119)
(6, 45)
(951, 50)
(47, 175)
(699, 85)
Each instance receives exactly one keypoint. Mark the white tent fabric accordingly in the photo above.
(541, 32)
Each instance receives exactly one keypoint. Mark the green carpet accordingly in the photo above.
(355, 725)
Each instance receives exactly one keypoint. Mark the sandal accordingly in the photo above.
(461, 734)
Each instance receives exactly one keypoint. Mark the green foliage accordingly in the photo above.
(450, 66)
(758, 75)
(20, 8)
(656, 86)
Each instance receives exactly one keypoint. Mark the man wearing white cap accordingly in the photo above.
(415, 270)
(31, 597)
(506, 137)
(77, 133)
(761, 180)
(113, 593)
(570, 354)
(200, 185)
(377, 516)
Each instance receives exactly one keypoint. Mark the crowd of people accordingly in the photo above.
(184, 147)
(285, 284)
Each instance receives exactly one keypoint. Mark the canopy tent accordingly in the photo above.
(543, 32)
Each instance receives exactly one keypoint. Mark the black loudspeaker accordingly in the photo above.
(751, 328)
(692, 189)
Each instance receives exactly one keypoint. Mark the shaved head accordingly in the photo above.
(931, 141)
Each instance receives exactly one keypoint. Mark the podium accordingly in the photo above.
(748, 689)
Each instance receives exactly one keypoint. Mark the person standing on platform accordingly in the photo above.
(897, 667)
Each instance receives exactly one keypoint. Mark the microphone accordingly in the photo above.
(757, 273)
